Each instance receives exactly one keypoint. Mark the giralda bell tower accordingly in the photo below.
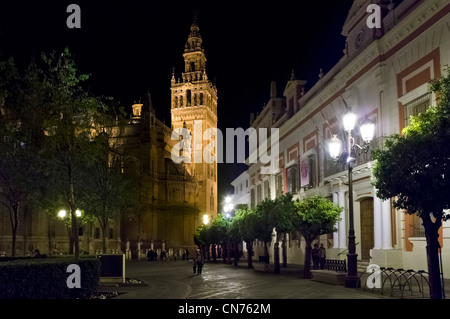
(194, 106)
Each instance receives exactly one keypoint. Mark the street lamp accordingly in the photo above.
(348, 157)
(228, 207)
(62, 213)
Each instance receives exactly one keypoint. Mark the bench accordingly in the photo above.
(334, 272)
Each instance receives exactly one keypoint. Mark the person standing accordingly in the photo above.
(200, 262)
(194, 265)
(315, 256)
(322, 256)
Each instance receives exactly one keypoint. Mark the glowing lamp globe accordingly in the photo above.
(334, 147)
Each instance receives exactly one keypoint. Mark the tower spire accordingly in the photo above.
(194, 41)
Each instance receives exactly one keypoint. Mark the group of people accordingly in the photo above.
(163, 255)
(318, 256)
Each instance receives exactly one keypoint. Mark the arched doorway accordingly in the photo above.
(367, 224)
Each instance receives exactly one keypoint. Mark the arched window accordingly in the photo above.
(211, 200)
(201, 98)
(188, 97)
(175, 102)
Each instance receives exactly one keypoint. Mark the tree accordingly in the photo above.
(218, 233)
(106, 192)
(202, 236)
(20, 136)
(264, 227)
(73, 119)
(248, 229)
(282, 218)
(234, 231)
(315, 216)
(414, 169)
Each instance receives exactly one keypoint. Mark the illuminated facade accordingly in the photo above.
(384, 76)
(194, 106)
(180, 195)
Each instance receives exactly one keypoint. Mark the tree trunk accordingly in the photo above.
(224, 252)
(214, 254)
(13, 217)
(249, 245)
(266, 253)
(307, 267)
(14, 240)
(284, 250)
(75, 232)
(105, 248)
(433, 246)
(236, 254)
(72, 211)
(276, 258)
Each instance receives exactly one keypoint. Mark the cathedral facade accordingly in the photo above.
(175, 197)
(182, 195)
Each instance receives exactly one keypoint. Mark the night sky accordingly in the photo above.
(131, 46)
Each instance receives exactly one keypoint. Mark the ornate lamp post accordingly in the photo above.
(347, 156)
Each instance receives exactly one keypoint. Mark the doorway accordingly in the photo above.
(367, 224)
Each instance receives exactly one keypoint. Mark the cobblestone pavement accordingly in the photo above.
(175, 280)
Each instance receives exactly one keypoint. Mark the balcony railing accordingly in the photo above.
(331, 169)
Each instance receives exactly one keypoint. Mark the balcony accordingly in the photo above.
(331, 169)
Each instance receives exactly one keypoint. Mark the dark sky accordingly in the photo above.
(130, 47)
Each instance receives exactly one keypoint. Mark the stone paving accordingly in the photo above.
(175, 280)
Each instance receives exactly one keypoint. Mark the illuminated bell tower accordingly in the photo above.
(194, 106)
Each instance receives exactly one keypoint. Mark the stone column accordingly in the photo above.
(342, 228)
(377, 224)
(336, 233)
(386, 224)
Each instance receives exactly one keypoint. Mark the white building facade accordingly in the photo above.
(383, 76)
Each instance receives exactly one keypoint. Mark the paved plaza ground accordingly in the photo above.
(175, 280)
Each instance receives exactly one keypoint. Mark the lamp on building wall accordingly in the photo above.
(205, 219)
(347, 157)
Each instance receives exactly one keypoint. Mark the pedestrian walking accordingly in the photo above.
(200, 262)
(315, 256)
(175, 255)
(194, 265)
(322, 256)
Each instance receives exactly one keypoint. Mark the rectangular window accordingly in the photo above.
(252, 198)
(292, 179)
(312, 171)
(258, 194)
(417, 106)
(266, 189)
(279, 184)
(416, 227)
